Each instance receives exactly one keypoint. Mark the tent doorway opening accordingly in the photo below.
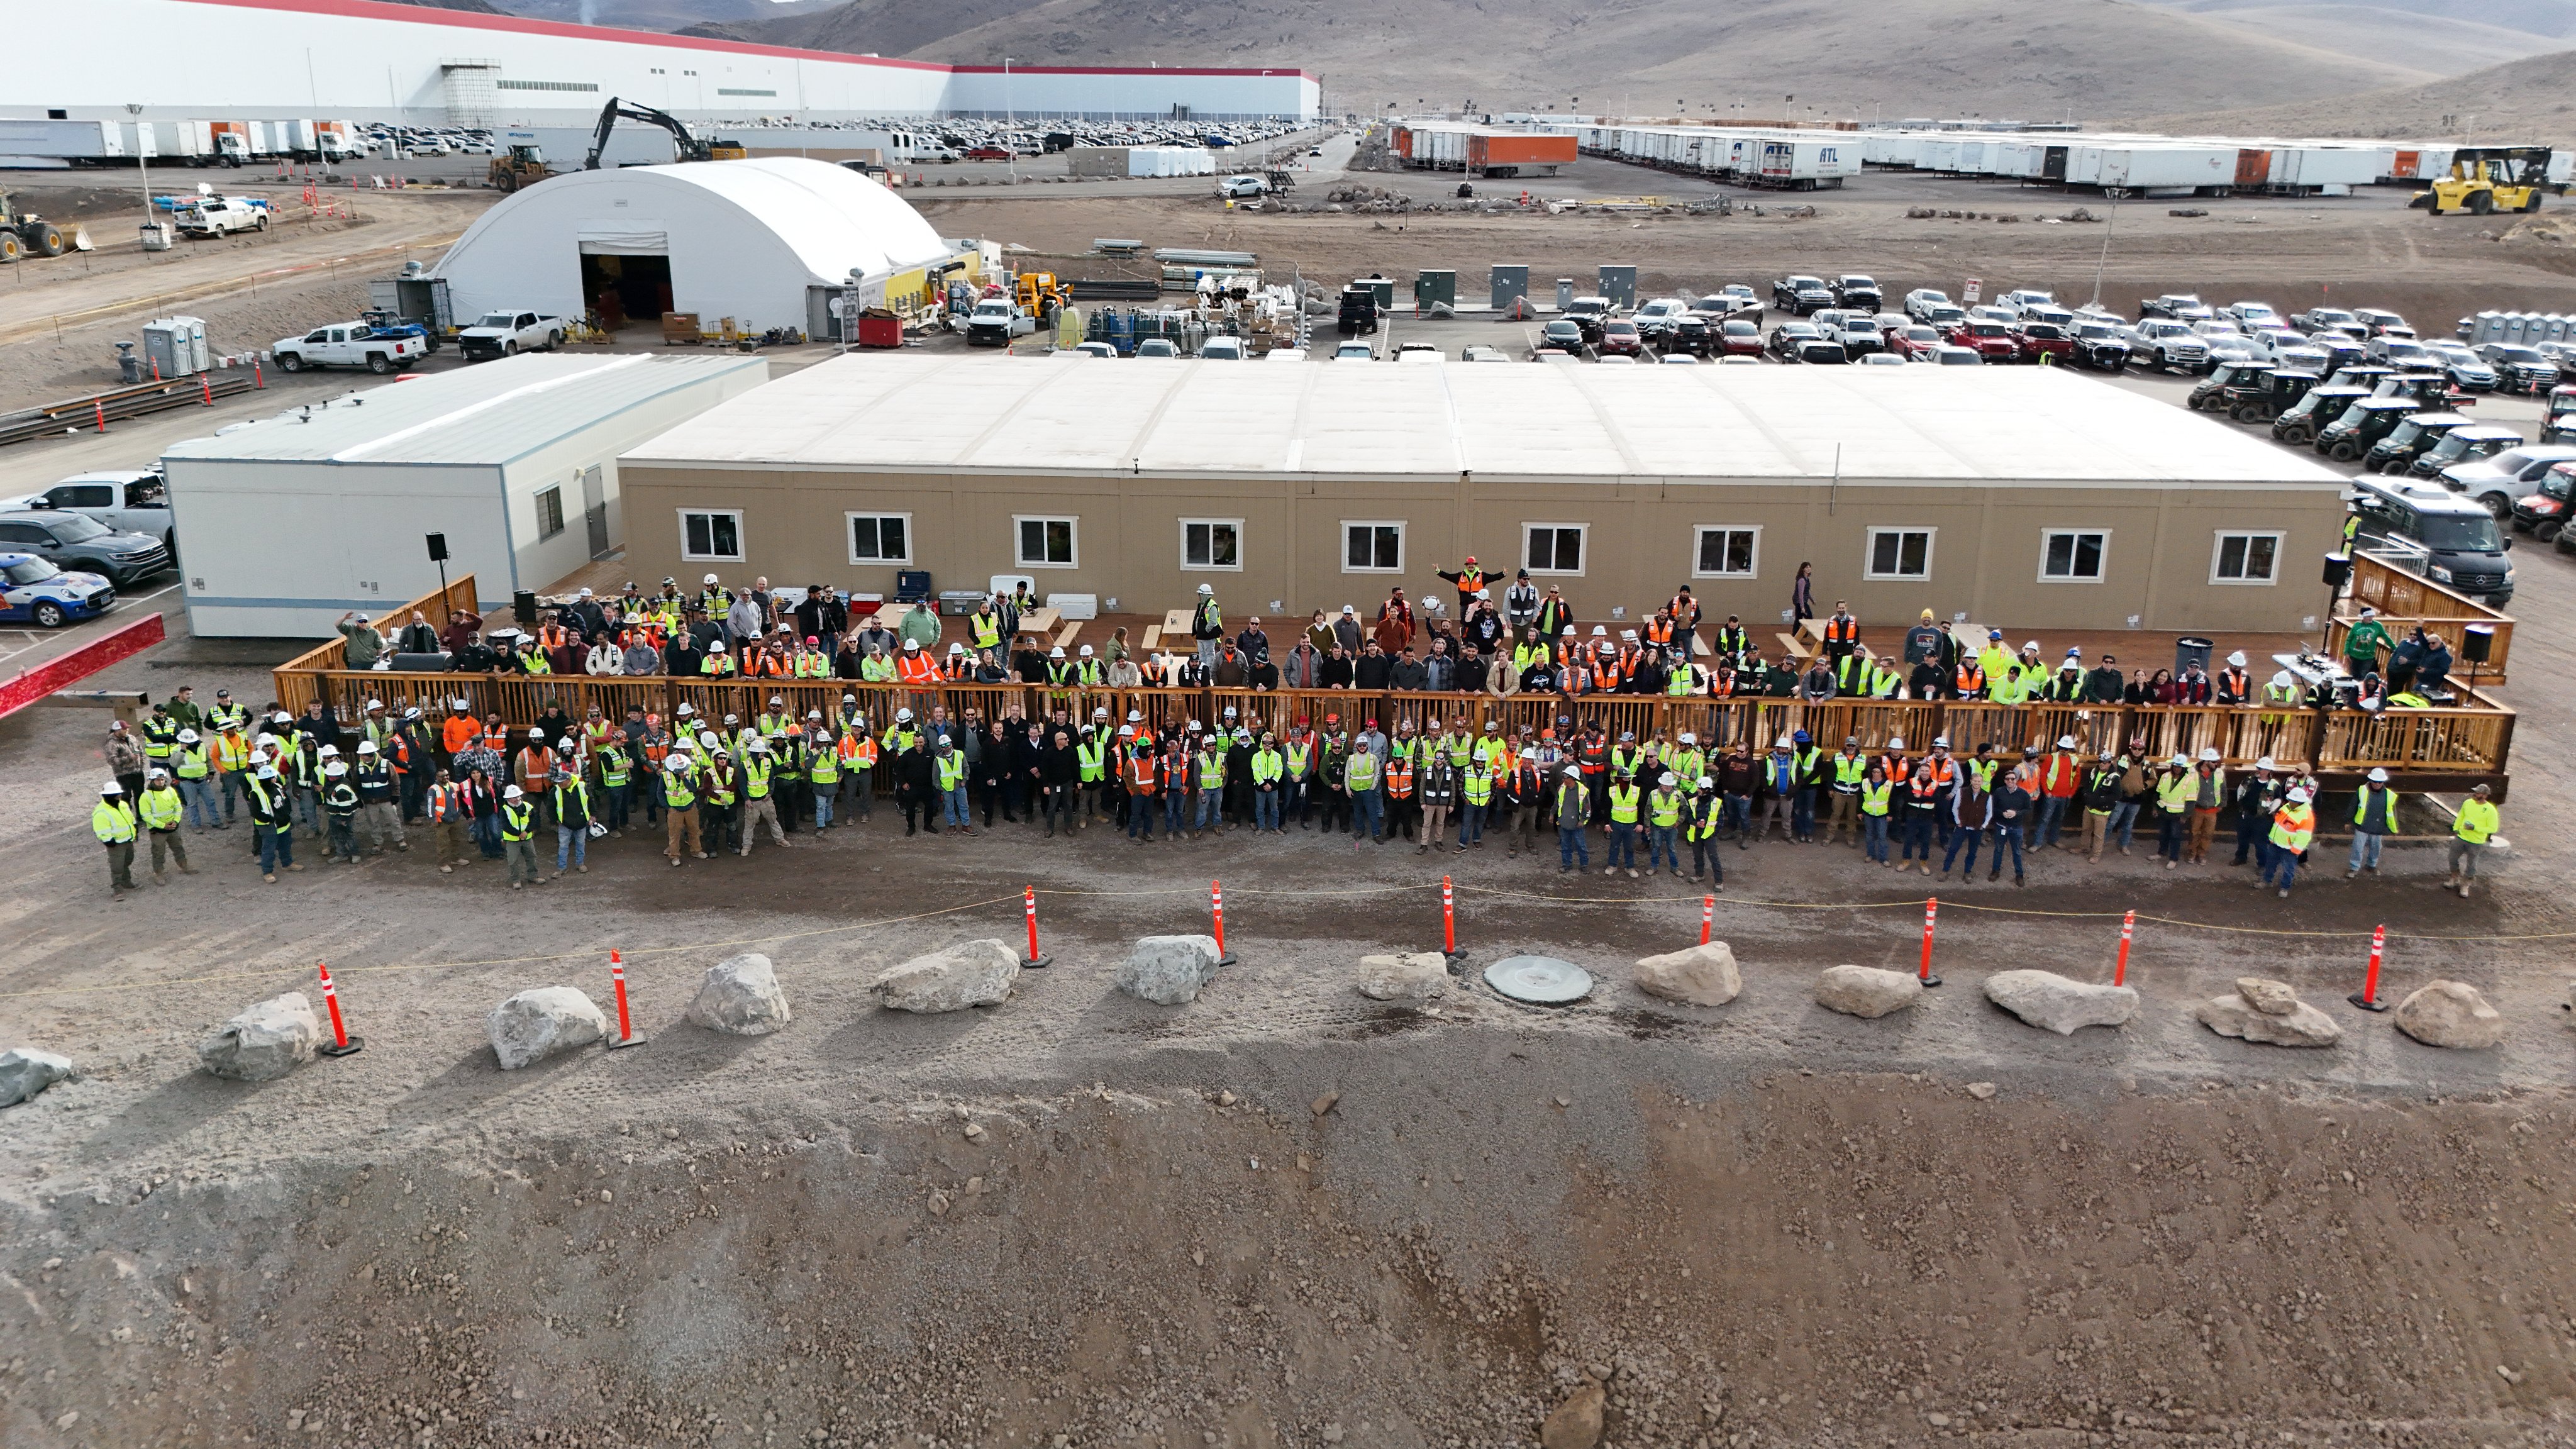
(620, 289)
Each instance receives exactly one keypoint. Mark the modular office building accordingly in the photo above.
(297, 519)
(2020, 496)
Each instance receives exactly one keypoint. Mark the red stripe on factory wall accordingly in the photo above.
(80, 664)
(470, 20)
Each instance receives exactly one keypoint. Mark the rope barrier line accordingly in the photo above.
(976, 905)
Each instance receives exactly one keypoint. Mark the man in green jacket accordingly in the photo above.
(2362, 644)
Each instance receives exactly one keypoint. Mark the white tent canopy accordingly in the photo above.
(743, 239)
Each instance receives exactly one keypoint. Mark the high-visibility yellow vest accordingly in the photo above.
(2476, 822)
(1266, 767)
(518, 822)
(1480, 786)
(825, 768)
(2293, 826)
(161, 809)
(1087, 758)
(952, 770)
(1849, 771)
(2174, 793)
(1362, 775)
(1623, 804)
(1298, 753)
(1211, 771)
(755, 777)
(1873, 798)
(1664, 807)
(192, 764)
(113, 822)
(678, 791)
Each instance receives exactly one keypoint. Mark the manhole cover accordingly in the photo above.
(1541, 979)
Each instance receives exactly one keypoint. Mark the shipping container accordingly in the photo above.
(1509, 154)
(1803, 165)
(2306, 170)
(2167, 168)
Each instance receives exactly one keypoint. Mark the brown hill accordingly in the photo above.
(2532, 99)
(2025, 58)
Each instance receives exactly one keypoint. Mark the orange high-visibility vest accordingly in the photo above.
(1140, 775)
(1842, 631)
(1399, 779)
(917, 668)
(1659, 631)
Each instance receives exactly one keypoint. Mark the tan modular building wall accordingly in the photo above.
(2158, 557)
(1604, 481)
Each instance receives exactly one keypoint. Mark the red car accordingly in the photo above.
(2034, 340)
(989, 153)
(1740, 337)
(1991, 341)
(1620, 337)
(1914, 343)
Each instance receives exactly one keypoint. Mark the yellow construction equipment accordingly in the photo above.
(2487, 179)
(1040, 295)
(520, 166)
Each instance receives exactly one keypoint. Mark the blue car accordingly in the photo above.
(33, 591)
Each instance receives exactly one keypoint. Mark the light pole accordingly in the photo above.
(1010, 123)
(2108, 222)
(143, 157)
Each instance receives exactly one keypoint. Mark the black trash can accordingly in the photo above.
(2189, 651)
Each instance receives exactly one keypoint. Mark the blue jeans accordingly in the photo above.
(487, 835)
(823, 803)
(1368, 811)
(1572, 847)
(1874, 837)
(572, 841)
(276, 847)
(1918, 836)
(1471, 823)
(2005, 835)
(2365, 849)
(1265, 810)
(620, 803)
(1293, 802)
(955, 815)
(2169, 828)
(1210, 806)
(308, 808)
(1176, 811)
(2052, 813)
(1659, 846)
(1140, 817)
(1959, 838)
(2124, 820)
(1736, 815)
(1623, 844)
(2280, 859)
(199, 794)
(1802, 814)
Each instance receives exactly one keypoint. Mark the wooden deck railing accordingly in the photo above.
(434, 606)
(2473, 741)
(2405, 600)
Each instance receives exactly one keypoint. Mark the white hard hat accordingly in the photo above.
(2209, 754)
(2283, 680)
(2265, 763)
(1707, 782)
(903, 716)
(960, 649)
(2066, 742)
(2182, 760)
(1056, 653)
(1940, 742)
(685, 708)
(1573, 772)
(187, 737)
(1781, 743)
(2031, 647)
(1896, 742)
(569, 743)
(335, 769)
(366, 747)
(1688, 738)
(1086, 651)
(513, 793)
(711, 578)
(2378, 777)
(1135, 716)
(330, 751)
(1207, 588)
(2299, 796)
(715, 646)
(2237, 658)
(759, 744)
(912, 644)
(1666, 780)
(460, 704)
(111, 788)
(706, 739)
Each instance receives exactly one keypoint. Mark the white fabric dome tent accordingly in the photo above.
(761, 241)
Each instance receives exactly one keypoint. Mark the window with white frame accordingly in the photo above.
(2246, 558)
(2072, 555)
(549, 513)
(1899, 553)
(1212, 543)
(1372, 548)
(880, 538)
(712, 534)
(1726, 551)
(1045, 543)
(1552, 548)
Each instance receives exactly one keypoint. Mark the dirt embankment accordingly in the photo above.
(1438, 1259)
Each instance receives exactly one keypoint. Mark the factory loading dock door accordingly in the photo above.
(626, 272)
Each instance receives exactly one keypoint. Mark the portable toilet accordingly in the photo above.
(176, 346)
(1511, 284)
(1619, 284)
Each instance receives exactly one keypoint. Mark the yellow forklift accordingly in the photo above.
(2488, 179)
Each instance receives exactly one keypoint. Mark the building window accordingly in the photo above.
(2246, 558)
(1045, 543)
(730, 91)
(1724, 551)
(1900, 553)
(880, 538)
(549, 513)
(712, 534)
(1552, 548)
(1372, 548)
(2072, 555)
(1211, 543)
(536, 85)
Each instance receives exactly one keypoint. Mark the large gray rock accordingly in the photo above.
(2241, 1015)
(1700, 976)
(25, 1071)
(1406, 976)
(1168, 969)
(534, 1025)
(741, 995)
(1866, 990)
(2442, 1014)
(970, 973)
(267, 1041)
(2060, 1004)
(2272, 998)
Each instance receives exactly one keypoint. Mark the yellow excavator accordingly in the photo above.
(2488, 179)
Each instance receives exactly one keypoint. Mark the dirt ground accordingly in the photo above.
(1286, 1215)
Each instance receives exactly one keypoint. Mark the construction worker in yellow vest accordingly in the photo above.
(2177, 786)
(760, 794)
(1475, 803)
(1877, 797)
(1091, 770)
(1625, 798)
(2471, 832)
(232, 767)
(858, 752)
(1849, 768)
(680, 805)
(900, 735)
(1700, 818)
(159, 811)
(823, 774)
(1663, 823)
(192, 762)
(1269, 773)
(2294, 825)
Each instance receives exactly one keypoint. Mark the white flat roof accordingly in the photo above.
(1001, 415)
(487, 414)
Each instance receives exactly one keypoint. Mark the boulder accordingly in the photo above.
(2060, 1004)
(534, 1025)
(2442, 1014)
(1576, 1424)
(1406, 976)
(970, 973)
(25, 1071)
(1168, 969)
(2240, 1015)
(1866, 990)
(741, 995)
(2272, 998)
(1700, 976)
(265, 1042)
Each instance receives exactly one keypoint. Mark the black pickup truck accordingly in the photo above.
(1799, 296)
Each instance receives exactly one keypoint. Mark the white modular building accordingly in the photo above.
(418, 64)
(769, 242)
(297, 519)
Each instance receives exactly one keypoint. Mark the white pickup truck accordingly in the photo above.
(128, 500)
(502, 334)
(221, 216)
(350, 344)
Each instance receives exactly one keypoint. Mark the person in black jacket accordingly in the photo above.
(2105, 684)
(1028, 768)
(1336, 672)
(1238, 779)
(1374, 672)
(992, 771)
(916, 786)
(1060, 775)
(2013, 809)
